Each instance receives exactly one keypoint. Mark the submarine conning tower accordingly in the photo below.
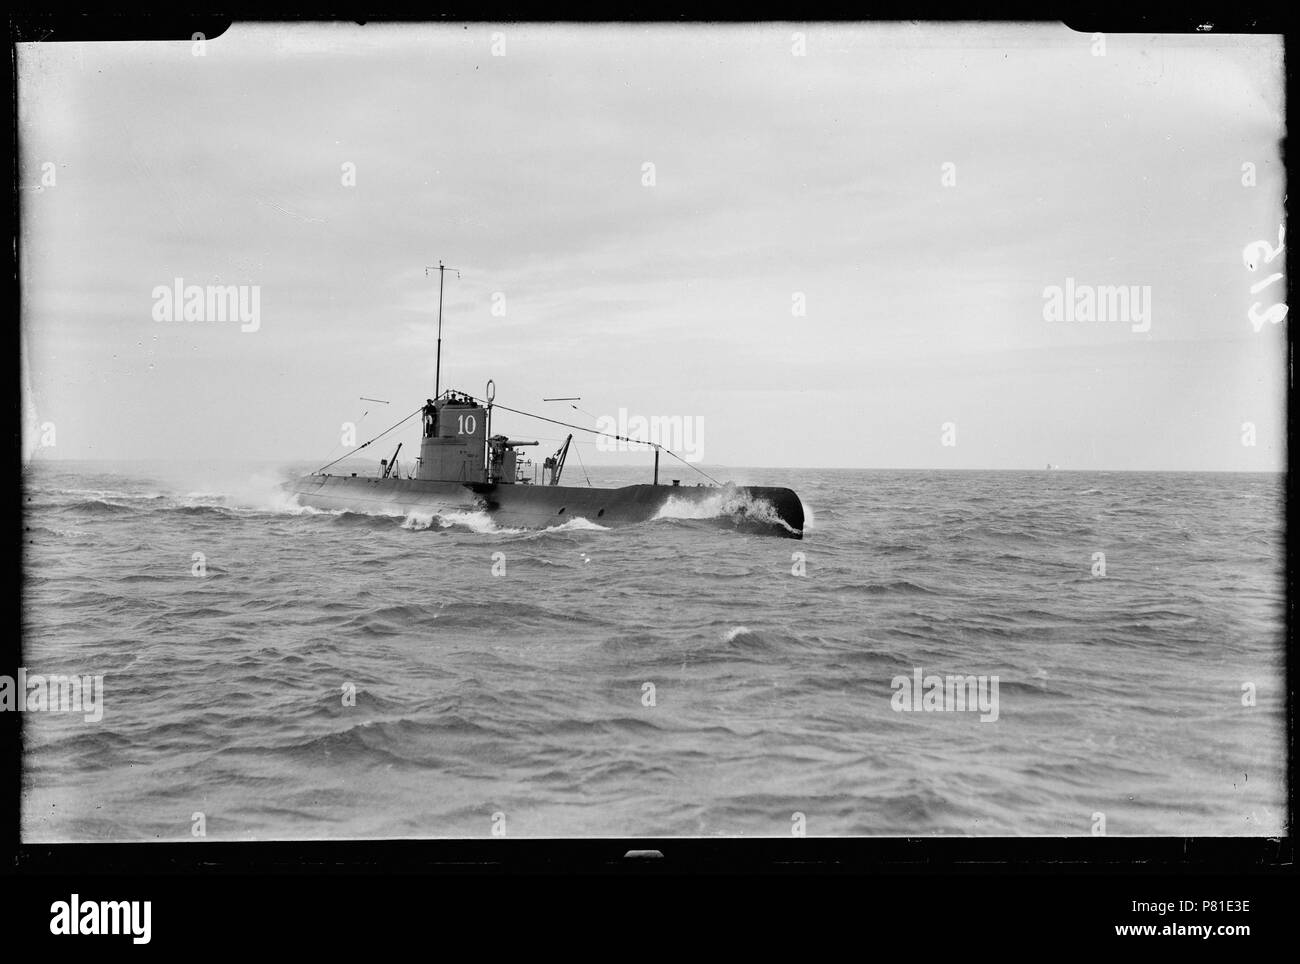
(453, 445)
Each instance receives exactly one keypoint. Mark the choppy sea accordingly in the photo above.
(287, 673)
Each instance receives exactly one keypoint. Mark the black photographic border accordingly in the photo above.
(961, 878)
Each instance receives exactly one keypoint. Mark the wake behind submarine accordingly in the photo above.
(463, 467)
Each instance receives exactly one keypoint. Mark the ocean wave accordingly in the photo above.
(424, 743)
(63, 496)
(99, 507)
(577, 524)
(475, 520)
(896, 587)
(743, 642)
(56, 531)
(199, 510)
(363, 520)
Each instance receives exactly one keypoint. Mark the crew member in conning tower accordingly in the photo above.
(429, 412)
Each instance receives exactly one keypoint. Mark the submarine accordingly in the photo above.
(463, 467)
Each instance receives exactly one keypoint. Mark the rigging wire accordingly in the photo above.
(543, 418)
(364, 444)
(583, 467)
(358, 425)
(593, 431)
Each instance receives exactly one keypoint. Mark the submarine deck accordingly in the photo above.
(542, 506)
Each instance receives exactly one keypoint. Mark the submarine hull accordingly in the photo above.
(761, 509)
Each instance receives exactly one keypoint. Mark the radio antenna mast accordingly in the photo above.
(437, 369)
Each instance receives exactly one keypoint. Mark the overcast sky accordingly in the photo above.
(774, 174)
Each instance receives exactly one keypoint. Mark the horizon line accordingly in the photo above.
(719, 465)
